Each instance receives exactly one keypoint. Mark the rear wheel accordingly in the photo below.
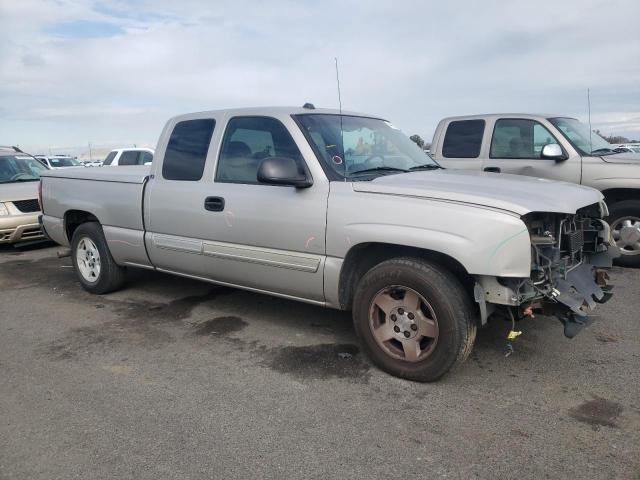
(624, 218)
(414, 319)
(92, 260)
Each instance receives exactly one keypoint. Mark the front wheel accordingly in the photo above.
(624, 218)
(414, 319)
(92, 260)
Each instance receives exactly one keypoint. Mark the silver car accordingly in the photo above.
(340, 210)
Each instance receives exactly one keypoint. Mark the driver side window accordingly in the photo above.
(519, 138)
(249, 140)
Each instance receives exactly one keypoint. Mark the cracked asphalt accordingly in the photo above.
(172, 378)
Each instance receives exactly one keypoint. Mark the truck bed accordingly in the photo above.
(113, 195)
(132, 174)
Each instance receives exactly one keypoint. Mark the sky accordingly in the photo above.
(110, 73)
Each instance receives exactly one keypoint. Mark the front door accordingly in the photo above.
(516, 147)
(226, 226)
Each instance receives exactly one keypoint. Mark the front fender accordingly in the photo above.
(484, 241)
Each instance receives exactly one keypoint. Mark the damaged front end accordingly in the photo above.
(569, 258)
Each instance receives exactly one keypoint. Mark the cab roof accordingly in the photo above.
(272, 112)
(493, 116)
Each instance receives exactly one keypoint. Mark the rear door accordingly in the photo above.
(222, 224)
(516, 146)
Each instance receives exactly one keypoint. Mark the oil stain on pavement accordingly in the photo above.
(138, 323)
(597, 412)
(174, 311)
(220, 326)
(320, 362)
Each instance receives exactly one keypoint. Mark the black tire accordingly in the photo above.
(626, 208)
(450, 302)
(112, 275)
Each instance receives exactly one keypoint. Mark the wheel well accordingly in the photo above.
(615, 195)
(361, 258)
(74, 218)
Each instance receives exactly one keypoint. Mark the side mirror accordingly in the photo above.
(553, 151)
(282, 171)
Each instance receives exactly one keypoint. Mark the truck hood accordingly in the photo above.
(513, 193)
(626, 157)
(18, 191)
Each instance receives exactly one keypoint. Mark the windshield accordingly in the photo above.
(109, 158)
(577, 134)
(63, 162)
(354, 147)
(15, 168)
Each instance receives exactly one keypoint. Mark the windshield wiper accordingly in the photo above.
(380, 169)
(427, 166)
(603, 150)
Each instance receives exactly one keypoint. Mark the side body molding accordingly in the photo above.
(244, 253)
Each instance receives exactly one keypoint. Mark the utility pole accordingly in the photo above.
(590, 129)
(90, 155)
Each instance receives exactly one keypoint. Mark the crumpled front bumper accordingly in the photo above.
(570, 297)
(576, 295)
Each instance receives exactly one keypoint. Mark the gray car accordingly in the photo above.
(342, 211)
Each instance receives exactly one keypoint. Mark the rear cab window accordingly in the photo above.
(145, 157)
(129, 158)
(463, 139)
(187, 149)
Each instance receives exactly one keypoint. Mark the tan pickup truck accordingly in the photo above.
(19, 207)
(553, 147)
(340, 210)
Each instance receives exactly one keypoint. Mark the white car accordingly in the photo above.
(59, 161)
(129, 156)
(92, 163)
(628, 148)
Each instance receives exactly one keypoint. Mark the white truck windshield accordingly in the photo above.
(578, 135)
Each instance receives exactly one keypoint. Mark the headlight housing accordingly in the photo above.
(4, 211)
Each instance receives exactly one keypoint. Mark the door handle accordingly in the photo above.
(214, 204)
(492, 169)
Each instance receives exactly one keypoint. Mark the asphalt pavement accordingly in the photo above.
(172, 378)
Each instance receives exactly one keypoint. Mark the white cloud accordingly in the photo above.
(409, 61)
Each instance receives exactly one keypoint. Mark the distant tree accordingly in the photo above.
(617, 139)
(418, 140)
(613, 138)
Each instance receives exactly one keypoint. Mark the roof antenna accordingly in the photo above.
(590, 130)
(338, 82)
(341, 129)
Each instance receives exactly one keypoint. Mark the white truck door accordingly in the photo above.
(222, 224)
(515, 146)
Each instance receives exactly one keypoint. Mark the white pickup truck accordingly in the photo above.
(554, 147)
(128, 156)
(340, 210)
